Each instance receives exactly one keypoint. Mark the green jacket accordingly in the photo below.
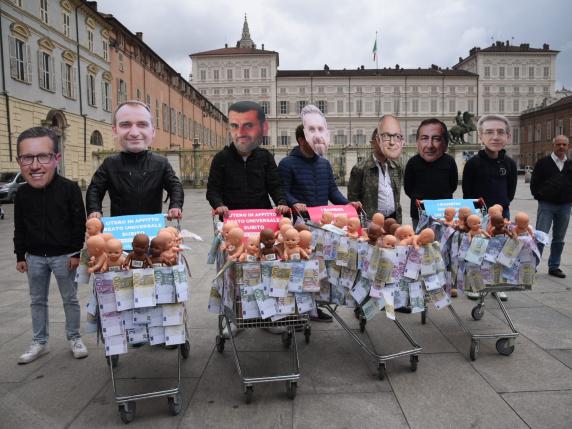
(363, 185)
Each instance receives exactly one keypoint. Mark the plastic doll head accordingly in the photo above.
(93, 226)
(227, 227)
(158, 245)
(235, 236)
(283, 221)
(450, 214)
(341, 220)
(379, 219)
(285, 227)
(388, 222)
(464, 212)
(474, 222)
(497, 221)
(426, 236)
(521, 219)
(301, 227)
(267, 238)
(327, 218)
(495, 209)
(176, 234)
(353, 224)
(393, 228)
(305, 239)
(389, 242)
(107, 236)
(404, 232)
(374, 231)
(291, 238)
(114, 249)
(95, 245)
(253, 245)
(140, 244)
(166, 237)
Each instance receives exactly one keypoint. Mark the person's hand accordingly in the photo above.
(300, 208)
(73, 263)
(222, 211)
(94, 215)
(356, 205)
(174, 213)
(284, 210)
(22, 266)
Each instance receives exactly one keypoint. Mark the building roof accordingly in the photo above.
(363, 72)
(234, 51)
(564, 102)
(506, 47)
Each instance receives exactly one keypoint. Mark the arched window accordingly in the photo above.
(96, 139)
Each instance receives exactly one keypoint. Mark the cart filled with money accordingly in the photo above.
(256, 290)
(370, 279)
(484, 253)
(138, 302)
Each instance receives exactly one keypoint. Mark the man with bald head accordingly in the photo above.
(376, 181)
(551, 185)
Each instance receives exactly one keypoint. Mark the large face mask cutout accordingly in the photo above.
(316, 133)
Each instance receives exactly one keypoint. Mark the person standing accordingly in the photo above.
(49, 231)
(551, 185)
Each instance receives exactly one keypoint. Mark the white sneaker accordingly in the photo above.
(473, 295)
(502, 295)
(78, 348)
(34, 352)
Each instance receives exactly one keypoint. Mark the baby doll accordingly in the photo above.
(252, 250)
(374, 231)
(379, 219)
(404, 235)
(93, 226)
(157, 246)
(521, 226)
(301, 227)
(464, 212)
(235, 245)
(269, 251)
(495, 209)
(292, 250)
(387, 241)
(306, 241)
(449, 218)
(353, 227)
(326, 218)
(393, 228)
(474, 225)
(341, 221)
(387, 223)
(283, 221)
(426, 236)
(177, 239)
(227, 226)
(97, 256)
(497, 226)
(114, 251)
(138, 258)
(280, 234)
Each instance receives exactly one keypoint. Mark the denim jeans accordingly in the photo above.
(557, 216)
(40, 269)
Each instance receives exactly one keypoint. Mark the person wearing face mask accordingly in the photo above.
(307, 176)
(376, 181)
(244, 175)
(136, 177)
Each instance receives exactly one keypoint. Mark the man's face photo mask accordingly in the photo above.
(316, 133)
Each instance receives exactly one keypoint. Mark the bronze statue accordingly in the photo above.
(464, 124)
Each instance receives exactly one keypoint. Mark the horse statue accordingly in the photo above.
(464, 124)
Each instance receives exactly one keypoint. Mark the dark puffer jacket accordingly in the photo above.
(135, 182)
(309, 180)
(239, 184)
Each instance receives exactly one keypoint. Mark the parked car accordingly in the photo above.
(9, 184)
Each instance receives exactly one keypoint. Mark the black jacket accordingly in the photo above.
(550, 184)
(493, 179)
(49, 221)
(240, 184)
(135, 182)
(424, 180)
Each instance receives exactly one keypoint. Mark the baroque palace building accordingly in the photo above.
(501, 78)
(67, 66)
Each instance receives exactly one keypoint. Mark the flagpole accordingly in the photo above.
(376, 55)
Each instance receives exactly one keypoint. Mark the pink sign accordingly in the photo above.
(254, 221)
(315, 213)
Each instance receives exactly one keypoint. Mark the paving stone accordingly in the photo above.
(542, 410)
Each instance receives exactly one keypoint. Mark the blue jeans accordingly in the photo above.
(557, 216)
(40, 269)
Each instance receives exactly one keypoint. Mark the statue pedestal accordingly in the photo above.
(462, 153)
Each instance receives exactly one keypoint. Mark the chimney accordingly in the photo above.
(473, 51)
(139, 35)
(546, 47)
(396, 66)
(263, 46)
(92, 4)
(326, 67)
(434, 67)
(507, 43)
(226, 45)
(362, 67)
(460, 59)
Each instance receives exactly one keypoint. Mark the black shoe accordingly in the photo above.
(321, 317)
(556, 272)
(406, 310)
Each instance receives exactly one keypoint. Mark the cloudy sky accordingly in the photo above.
(310, 33)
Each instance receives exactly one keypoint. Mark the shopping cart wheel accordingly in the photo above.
(174, 403)
(503, 347)
(424, 316)
(381, 371)
(286, 339)
(291, 387)
(478, 312)
(474, 349)
(219, 343)
(307, 333)
(357, 312)
(185, 349)
(413, 361)
(362, 323)
(127, 411)
(248, 392)
(114, 360)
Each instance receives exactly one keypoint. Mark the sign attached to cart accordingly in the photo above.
(254, 221)
(436, 208)
(124, 228)
(315, 213)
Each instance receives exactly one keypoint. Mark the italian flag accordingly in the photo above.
(375, 50)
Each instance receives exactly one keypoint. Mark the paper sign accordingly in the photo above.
(254, 221)
(124, 228)
(436, 208)
(315, 213)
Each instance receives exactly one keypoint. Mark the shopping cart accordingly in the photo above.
(430, 212)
